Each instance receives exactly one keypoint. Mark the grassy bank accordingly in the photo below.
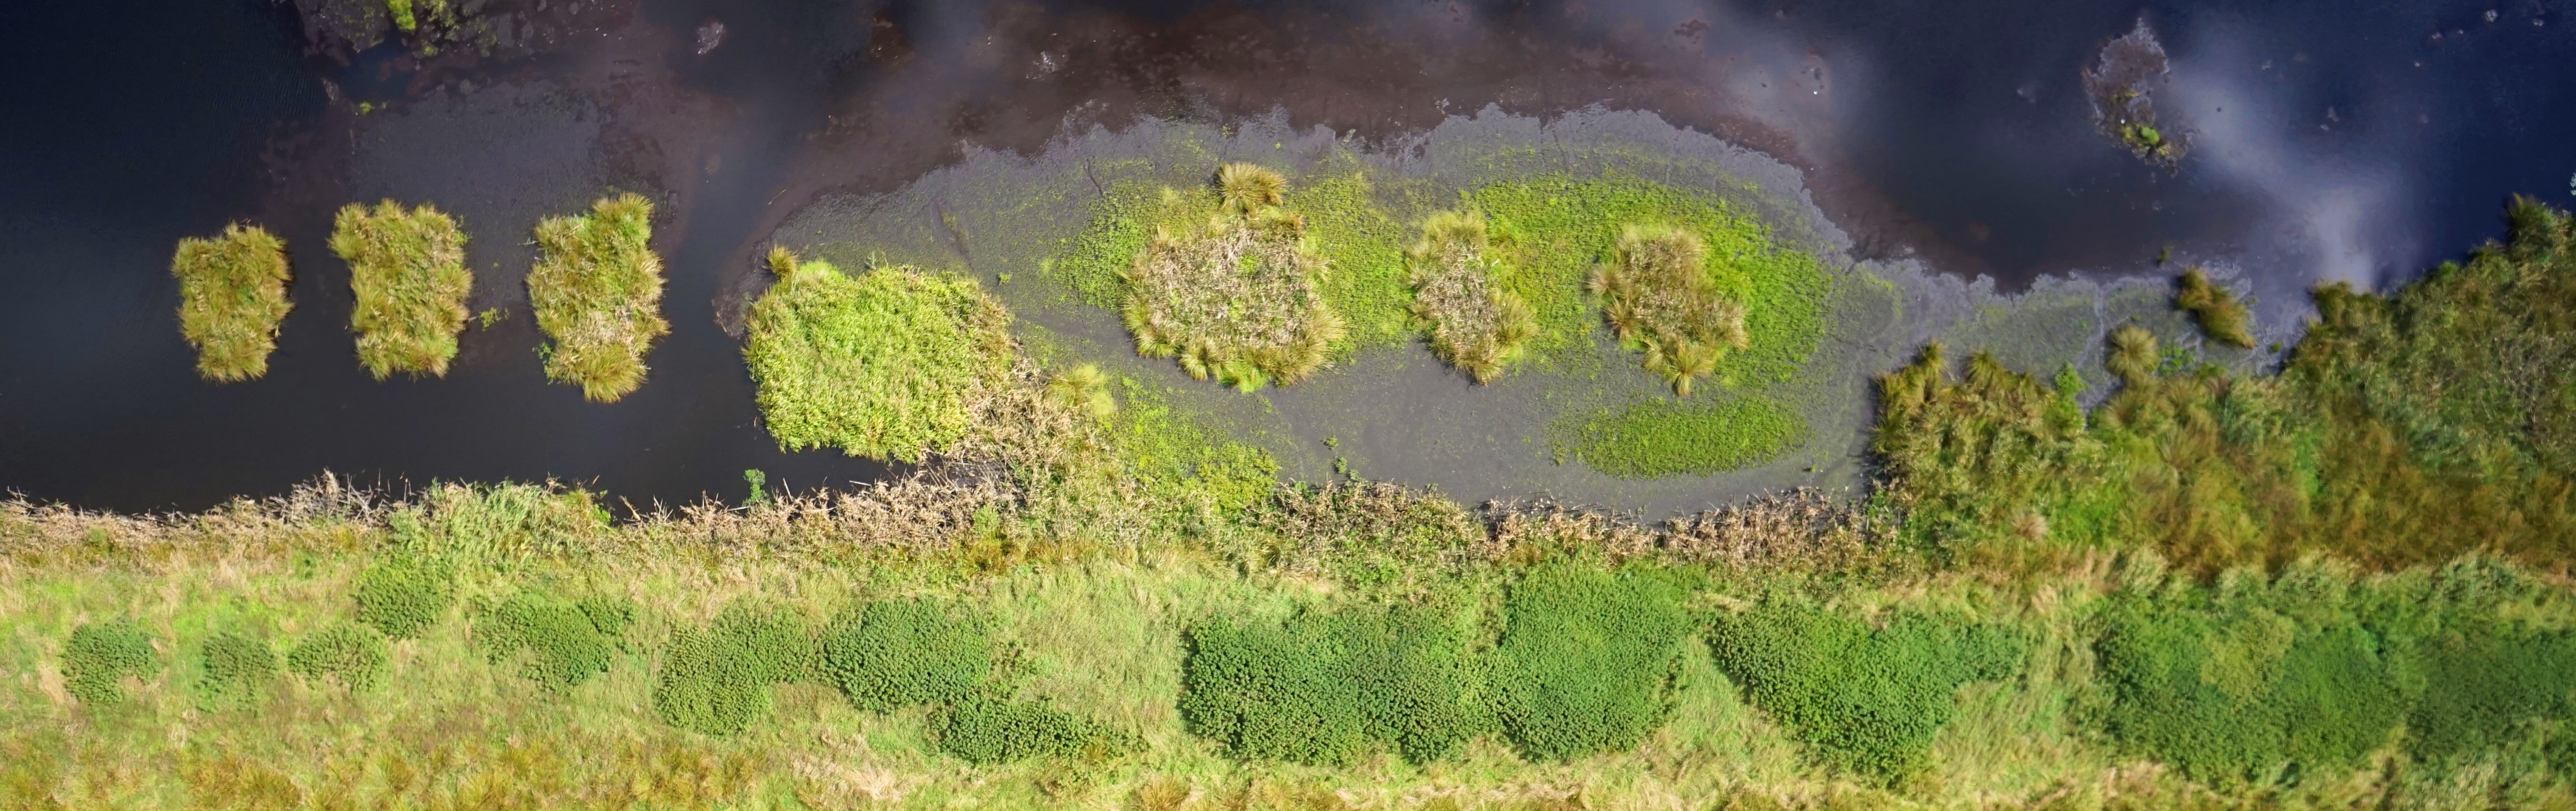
(407, 268)
(232, 296)
(888, 363)
(597, 292)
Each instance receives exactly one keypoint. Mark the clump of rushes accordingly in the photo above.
(598, 295)
(1238, 299)
(2219, 313)
(232, 294)
(408, 271)
(1476, 325)
(1657, 294)
(889, 363)
(1084, 388)
(2133, 354)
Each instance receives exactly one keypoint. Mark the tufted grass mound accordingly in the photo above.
(1329, 689)
(1865, 700)
(1474, 323)
(407, 268)
(1237, 299)
(597, 293)
(232, 296)
(404, 597)
(1660, 299)
(716, 680)
(353, 655)
(98, 657)
(2220, 315)
(1586, 659)
(566, 642)
(890, 363)
(234, 670)
(984, 729)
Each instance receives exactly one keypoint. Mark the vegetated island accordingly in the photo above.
(2339, 586)
(2122, 84)
(232, 296)
(597, 292)
(407, 268)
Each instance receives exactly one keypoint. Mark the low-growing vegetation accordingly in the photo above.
(1586, 659)
(1474, 324)
(232, 296)
(407, 267)
(1328, 689)
(1659, 437)
(1236, 299)
(597, 293)
(889, 363)
(1660, 299)
(1866, 700)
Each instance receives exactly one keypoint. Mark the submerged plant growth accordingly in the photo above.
(890, 363)
(232, 296)
(1235, 299)
(407, 267)
(597, 292)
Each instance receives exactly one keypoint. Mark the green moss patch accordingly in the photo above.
(232, 296)
(98, 657)
(565, 642)
(1660, 437)
(1862, 699)
(404, 598)
(2242, 692)
(900, 653)
(1472, 322)
(597, 292)
(234, 670)
(353, 655)
(1329, 688)
(407, 267)
(890, 363)
(717, 679)
(1586, 659)
(984, 729)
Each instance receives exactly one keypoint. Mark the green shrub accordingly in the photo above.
(1585, 659)
(403, 597)
(1864, 700)
(2486, 686)
(597, 293)
(353, 655)
(567, 642)
(2239, 692)
(1325, 689)
(716, 680)
(407, 268)
(101, 654)
(234, 670)
(985, 729)
(899, 653)
(232, 296)
(889, 363)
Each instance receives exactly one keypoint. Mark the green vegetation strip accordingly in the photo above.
(1654, 438)
(890, 363)
(407, 267)
(232, 296)
(597, 292)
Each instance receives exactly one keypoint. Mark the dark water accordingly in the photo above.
(2332, 140)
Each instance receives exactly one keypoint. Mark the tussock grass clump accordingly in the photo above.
(597, 293)
(404, 597)
(1236, 299)
(1328, 689)
(100, 655)
(1083, 388)
(891, 363)
(1968, 458)
(2221, 316)
(1657, 294)
(1586, 658)
(407, 268)
(232, 296)
(353, 655)
(899, 653)
(1864, 700)
(1475, 323)
(566, 642)
(234, 669)
(716, 680)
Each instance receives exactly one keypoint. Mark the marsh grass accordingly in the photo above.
(890, 363)
(1659, 299)
(232, 296)
(597, 292)
(2221, 316)
(1236, 299)
(407, 268)
(1474, 323)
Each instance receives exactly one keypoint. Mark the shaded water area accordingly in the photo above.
(1934, 142)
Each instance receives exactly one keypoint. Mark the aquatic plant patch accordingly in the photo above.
(232, 296)
(1865, 700)
(1474, 324)
(407, 267)
(1660, 300)
(1660, 437)
(1236, 299)
(597, 293)
(889, 363)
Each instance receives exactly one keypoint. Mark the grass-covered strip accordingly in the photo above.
(597, 293)
(407, 267)
(1660, 437)
(1475, 325)
(232, 296)
(889, 363)
(1660, 300)
(1236, 298)
(1867, 700)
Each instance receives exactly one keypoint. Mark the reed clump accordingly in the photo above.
(597, 293)
(1475, 323)
(890, 363)
(407, 267)
(1658, 296)
(2221, 316)
(232, 296)
(1238, 298)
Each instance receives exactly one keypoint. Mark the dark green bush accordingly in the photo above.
(2486, 685)
(899, 653)
(1865, 700)
(1327, 688)
(403, 598)
(567, 642)
(353, 655)
(1585, 659)
(234, 670)
(100, 654)
(717, 680)
(2238, 692)
(986, 729)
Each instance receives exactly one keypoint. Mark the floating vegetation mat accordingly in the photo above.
(597, 292)
(889, 363)
(407, 267)
(232, 296)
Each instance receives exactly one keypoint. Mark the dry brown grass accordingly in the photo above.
(1238, 299)
(1476, 325)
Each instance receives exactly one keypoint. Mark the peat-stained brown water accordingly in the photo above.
(2329, 141)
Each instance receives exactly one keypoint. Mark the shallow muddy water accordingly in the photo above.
(1942, 141)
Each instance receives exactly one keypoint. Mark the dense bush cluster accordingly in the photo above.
(986, 729)
(716, 680)
(566, 642)
(1586, 657)
(900, 653)
(404, 597)
(1327, 688)
(234, 669)
(99, 655)
(353, 655)
(1865, 699)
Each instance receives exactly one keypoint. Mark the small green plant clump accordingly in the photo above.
(100, 655)
(1863, 700)
(891, 363)
(353, 655)
(1654, 438)
(1658, 295)
(232, 296)
(1237, 299)
(1330, 688)
(1083, 388)
(2220, 315)
(716, 680)
(407, 268)
(1586, 659)
(566, 642)
(597, 292)
(899, 653)
(234, 669)
(986, 729)
(403, 597)
(1475, 323)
